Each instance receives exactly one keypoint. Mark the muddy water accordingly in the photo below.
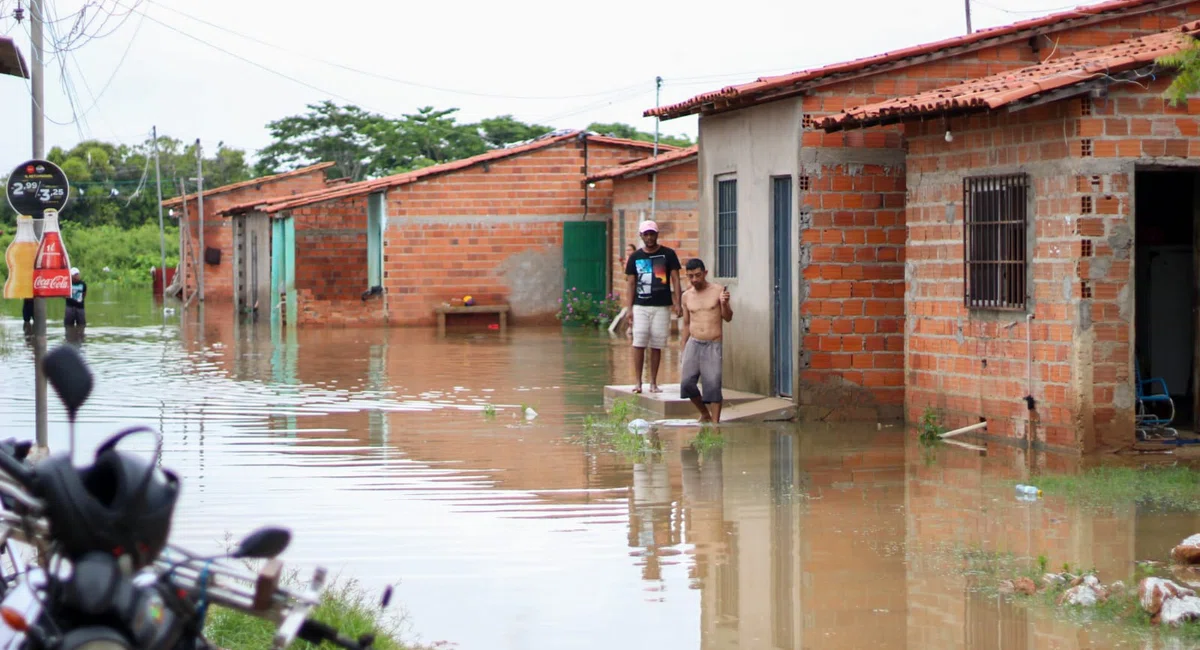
(377, 448)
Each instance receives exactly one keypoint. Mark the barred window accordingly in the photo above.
(727, 227)
(995, 210)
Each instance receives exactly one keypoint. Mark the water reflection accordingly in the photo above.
(380, 450)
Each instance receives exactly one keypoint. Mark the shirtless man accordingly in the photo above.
(706, 309)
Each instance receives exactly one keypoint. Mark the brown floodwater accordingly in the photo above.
(378, 449)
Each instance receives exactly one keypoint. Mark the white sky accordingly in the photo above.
(539, 60)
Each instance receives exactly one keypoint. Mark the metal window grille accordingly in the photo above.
(994, 237)
(727, 228)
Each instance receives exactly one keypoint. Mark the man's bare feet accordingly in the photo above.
(655, 389)
(704, 419)
(637, 389)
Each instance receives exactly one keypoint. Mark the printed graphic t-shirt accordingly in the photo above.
(78, 294)
(652, 273)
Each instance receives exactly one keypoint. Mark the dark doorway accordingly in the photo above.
(1165, 286)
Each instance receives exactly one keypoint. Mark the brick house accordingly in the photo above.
(493, 226)
(1051, 242)
(830, 206)
(674, 211)
(219, 227)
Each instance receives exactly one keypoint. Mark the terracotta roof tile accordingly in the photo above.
(995, 91)
(253, 181)
(647, 165)
(777, 86)
(378, 184)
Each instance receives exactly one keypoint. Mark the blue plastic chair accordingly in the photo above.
(1152, 391)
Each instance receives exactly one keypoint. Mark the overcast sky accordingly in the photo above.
(219, 70)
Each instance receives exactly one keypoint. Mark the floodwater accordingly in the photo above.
(376, 448)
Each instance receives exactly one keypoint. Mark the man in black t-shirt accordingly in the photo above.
(652, 296)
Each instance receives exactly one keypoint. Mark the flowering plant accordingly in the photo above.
(582, 307)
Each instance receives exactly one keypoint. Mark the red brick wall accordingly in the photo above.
(676, 215)
(218, 229)
(853, 286)
(493, 232)
(331, 264)
(1083, 326)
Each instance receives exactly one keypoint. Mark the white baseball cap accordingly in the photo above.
(647, 226)
(74, 270)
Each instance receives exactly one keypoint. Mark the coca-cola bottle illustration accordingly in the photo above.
(51, 267)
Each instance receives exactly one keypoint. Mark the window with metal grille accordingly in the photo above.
(995, 210)
(727, 228)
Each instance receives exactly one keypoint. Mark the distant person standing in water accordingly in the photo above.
(652, 296)
(706, 309)
(27, 312)
(75, 316)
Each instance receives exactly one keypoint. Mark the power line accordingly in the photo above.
(384, 77)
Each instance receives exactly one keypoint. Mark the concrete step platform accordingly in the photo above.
(739, 406)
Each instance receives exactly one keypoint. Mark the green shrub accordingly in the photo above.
(584, 308)
(129, 254)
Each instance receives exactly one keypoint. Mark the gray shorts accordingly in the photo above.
(701, 361)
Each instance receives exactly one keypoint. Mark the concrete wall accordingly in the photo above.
(1081, 156)
(676, 213)
(754, 144)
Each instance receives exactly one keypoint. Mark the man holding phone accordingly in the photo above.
(706, 309)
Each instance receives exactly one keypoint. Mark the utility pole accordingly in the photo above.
(162, 235)
(654, 177)
(37, 91)
(200, 198)
(968, 3)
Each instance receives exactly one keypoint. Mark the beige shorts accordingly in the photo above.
(651, 327)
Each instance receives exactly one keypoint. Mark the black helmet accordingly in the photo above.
(122, 504)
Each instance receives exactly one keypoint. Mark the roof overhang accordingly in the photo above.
(12, 63)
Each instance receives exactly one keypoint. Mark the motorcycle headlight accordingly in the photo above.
(95, 638)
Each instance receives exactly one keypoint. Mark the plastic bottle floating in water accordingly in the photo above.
(1028, 491)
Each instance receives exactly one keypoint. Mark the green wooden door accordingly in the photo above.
(585, 257)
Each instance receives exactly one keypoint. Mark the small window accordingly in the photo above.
(995, 210)
(726, 227)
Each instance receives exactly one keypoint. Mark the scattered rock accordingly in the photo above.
(1188, 551)
(1051, 579)
(1176, 611)
(1086, 593)
(1154, 592)
(1025, 586)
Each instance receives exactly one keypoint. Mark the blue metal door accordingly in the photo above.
(782, 351)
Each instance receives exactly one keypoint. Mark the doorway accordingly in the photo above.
(781, 321)
(1165, 283)
(252, 264)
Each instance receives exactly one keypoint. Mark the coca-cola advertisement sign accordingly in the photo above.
(52, 283)
(36, 186)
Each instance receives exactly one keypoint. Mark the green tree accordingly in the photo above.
(351, 138)
(621, 130)
(504, 130)
(1187, 65)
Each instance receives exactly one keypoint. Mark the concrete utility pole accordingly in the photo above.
(968, 3)
(654, 176)
(162, 235)
(200, 198)
(37, 91)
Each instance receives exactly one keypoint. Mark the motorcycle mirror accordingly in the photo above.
(70, 377)
(264, 543)
(72, 380)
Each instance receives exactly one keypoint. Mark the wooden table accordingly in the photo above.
(443, 310)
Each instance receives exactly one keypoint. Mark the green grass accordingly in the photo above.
(345, 606)
(1164, 488)
(612, 431)
(707, 440)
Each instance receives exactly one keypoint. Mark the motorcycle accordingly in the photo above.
(106, 577)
